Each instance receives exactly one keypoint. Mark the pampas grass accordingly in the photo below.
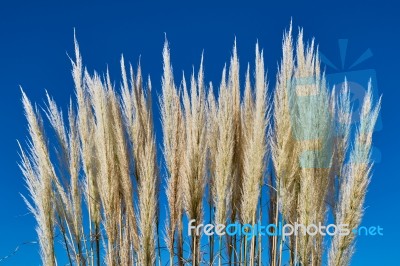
(195, 155)
(93, 176)
(39, 174)
(254, 152)
(357, 175)
(173, 141)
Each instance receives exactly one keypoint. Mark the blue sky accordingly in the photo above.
(36, 37)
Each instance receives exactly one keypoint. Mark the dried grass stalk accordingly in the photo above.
(357, 175)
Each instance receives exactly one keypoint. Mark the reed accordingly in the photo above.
(93, 176)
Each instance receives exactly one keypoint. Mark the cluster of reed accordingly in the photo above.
(95, 182)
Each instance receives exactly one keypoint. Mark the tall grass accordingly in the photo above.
(234, 155)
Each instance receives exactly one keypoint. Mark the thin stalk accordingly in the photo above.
(65, 240)
(90, 230)
(245, 250)
(171, 258)
(276, 226)
(80, 254)
(91, 242)
(97, 238)
(158, 244)
(259, 260)
(241, 251)
(180, 245)
(85, 245)
(194, 262)
(220, 251)
(252, 248)
(211, 237)
(234, 253)
(295, 252)
(280, 251)
(292, 243)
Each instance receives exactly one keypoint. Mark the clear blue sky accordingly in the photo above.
(36, 37)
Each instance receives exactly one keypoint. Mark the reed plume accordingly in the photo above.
(255, 151)
(222, 189)
(237, 167)
(356, 177)
(138, 111)
(255, 148)
(195, 154)
(313, 128)
(173, 142)
(38, 172)
(222, 184)
(284, 146)
(85, 127)
(68, 195)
